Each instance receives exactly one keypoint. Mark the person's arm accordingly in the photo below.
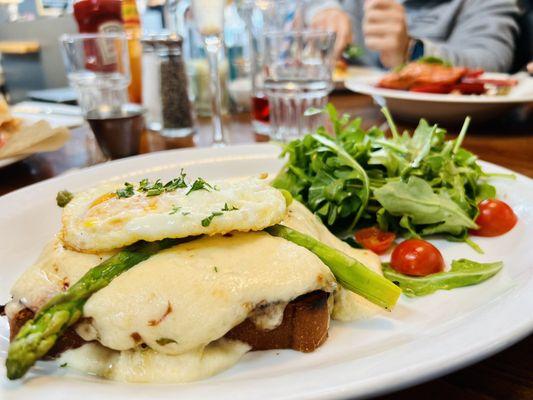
(483, 37)
(329, 16)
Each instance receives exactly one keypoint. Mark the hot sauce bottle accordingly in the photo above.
(132, 26)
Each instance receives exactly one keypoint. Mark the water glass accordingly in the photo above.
(297, 76)
(98, 69)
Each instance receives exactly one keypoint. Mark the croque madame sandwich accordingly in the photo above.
(175, 282)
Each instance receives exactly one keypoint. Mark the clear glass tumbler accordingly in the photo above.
(98, 70)
(297, 76)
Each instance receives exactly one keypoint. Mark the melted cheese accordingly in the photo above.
(348, 306)
(190, 296)
(148, 366)
(97, 220)
(194, 293)
(55, 270)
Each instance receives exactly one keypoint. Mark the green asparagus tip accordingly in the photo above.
(349, 272)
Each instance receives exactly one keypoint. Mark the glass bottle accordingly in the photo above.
(165, 87)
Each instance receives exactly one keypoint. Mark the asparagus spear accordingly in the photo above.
(40, 334)
(349, 272)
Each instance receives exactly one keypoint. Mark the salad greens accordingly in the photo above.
(414, 185)
(462, 273)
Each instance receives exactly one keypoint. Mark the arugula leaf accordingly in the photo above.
(342, 176)
(462, 273)
(417, 201)
(485, 191)
(420, 144)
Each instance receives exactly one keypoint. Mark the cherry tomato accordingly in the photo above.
(495, 218)
(375, 239)
(441, 88)
(417, 257)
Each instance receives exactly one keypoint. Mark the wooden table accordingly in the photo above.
(508, 142)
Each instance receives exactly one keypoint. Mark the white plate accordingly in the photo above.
(4, 162)
(444, 108)
(55, 114)
(421, 339)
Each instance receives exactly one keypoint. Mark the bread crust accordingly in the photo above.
(304, 328)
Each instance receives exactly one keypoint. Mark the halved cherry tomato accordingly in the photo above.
(375, 239)
(417, 257)
(495, 218)
(441, 88)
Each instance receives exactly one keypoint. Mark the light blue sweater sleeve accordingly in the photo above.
(484, 36)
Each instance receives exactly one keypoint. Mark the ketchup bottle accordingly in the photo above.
(99, 16)
(114, 16)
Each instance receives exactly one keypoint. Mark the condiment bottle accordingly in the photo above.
(165, 88)
(99, 16)
(132, 26)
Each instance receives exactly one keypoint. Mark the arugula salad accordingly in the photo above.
(369, 188)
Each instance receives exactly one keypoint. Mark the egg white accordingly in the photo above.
(97, 220)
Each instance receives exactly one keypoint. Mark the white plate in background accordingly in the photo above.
(444, 108)
(421, 339)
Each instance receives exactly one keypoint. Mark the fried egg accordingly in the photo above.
(98, 219)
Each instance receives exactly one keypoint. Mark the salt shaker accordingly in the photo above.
(165, 92)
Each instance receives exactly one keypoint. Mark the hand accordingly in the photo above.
(334, 20)
(385, 31)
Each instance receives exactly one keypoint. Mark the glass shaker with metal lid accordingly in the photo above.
(165, 91)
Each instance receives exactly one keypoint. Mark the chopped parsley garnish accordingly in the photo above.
(207, 221)
(226, 208)
(176, 183)
(185, 213)
(174, 210)
(215, 268)
(63, 365)
(126, 191)
(153, 189)
(164, 341)
(199, 184)
(63, 198)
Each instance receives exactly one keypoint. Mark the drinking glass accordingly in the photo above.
(98, 70)
(297, 76)
(263, 16)
(209, 19)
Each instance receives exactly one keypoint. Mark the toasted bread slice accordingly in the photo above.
(304, 328)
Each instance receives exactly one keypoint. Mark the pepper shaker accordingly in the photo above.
(166, 98)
